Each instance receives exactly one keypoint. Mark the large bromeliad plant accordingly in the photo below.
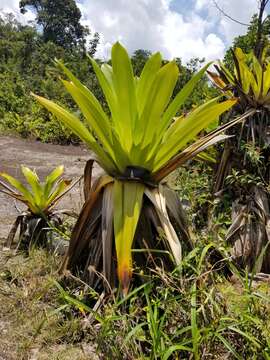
(129, 211)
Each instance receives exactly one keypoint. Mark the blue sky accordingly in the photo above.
(177, 28)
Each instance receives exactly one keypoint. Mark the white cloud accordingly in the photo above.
(190, 37)
(9, 5)
(12, 6)
(151, 25)
(135, 23)
(240, 10)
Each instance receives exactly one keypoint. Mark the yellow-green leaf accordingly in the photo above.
(128, 197)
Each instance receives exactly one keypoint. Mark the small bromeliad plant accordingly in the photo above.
(250, 79)
(130, 216)
(40, 200)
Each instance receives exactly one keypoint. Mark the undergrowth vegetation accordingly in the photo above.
(202, 316)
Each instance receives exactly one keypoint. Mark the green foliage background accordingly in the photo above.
(26, 64)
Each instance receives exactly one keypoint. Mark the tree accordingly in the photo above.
(60, 21)
(248, 41)
(139, 59)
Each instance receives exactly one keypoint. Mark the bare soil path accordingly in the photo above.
(43, 158)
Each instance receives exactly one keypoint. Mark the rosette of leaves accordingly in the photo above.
(40, 200)
(130, 217)
(249, 80)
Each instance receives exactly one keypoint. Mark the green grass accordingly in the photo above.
(203, 316)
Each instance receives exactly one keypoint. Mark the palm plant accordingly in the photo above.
(129, 209)
(247, 155)
(39, 199)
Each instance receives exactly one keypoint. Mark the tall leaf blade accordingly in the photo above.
(173, 108)
(146, 79)
(79, 129)
(23, 190)
(124, 85)
(160, 94)
(51, 179)
(106, 87)
(156, 196)
(107, 230)
(107, 71)
(200, 145)
(259, 75)
(88, 95)
(180, 98)
(94, 115)
(33, 180)
(61, 186)
(266, 81)
(189, 127)
(143, 90)
(128, 197)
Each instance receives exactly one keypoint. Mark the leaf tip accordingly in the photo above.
(124, 275)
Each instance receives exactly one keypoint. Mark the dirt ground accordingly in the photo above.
(15, 152)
